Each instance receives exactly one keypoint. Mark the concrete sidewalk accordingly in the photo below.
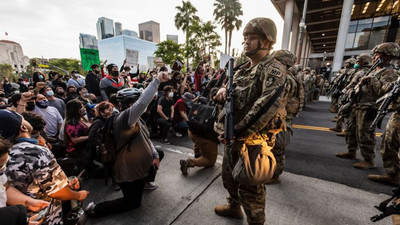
(191, 199)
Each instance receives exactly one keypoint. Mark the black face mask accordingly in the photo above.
(30, 106)
(114, 73)
(96, 72)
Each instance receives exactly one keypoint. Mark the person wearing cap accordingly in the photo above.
(111, 83)
(93, 81)
(180, 117)
(39, 175)
(259, 83)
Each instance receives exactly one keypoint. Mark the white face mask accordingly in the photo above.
(171, 94)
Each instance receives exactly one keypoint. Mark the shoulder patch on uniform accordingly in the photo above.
(274, 72)
(270, 81)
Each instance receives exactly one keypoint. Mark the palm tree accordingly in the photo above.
(227, 13)
(183, 18)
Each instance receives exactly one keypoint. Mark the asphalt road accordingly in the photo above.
(312, 151)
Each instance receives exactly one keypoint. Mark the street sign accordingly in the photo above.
(43, 63)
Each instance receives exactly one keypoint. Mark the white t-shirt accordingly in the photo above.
(3, 195)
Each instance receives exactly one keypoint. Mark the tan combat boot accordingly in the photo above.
(229, 210)
(335, 129)
(341, 134)
(365, 164)
(274, 180)
(385, 179)
(346, 155)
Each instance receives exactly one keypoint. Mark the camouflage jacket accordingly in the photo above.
(255, 86)
(356, 78)
(34, 171)
(295, 95)
(379, 83)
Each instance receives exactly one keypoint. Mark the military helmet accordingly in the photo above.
(364, 58)
(388, 48)
(351, 61)
(261, 25)
(127, 95)
(286, 57)
(307, 69)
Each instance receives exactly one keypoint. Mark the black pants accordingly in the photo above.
(164, 127)
(132, 195)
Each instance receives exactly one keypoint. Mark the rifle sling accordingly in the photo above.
(263, 110)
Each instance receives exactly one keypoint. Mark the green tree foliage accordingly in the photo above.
(169, 51)
(66, 64)
(6, 70)
(185, 16)
(227, 13)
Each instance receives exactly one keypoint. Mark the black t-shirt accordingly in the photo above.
(166, 106)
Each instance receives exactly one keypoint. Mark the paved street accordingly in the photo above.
(317, 188)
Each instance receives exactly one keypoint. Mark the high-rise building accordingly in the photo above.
(172, 37)
(129, 33)
(118, 28)
(87, 41)
(11, 53)
(150, 31)
(105, 28)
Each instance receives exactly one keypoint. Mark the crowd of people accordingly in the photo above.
(54, 128)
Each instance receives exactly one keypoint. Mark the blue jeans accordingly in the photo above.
(181, 127)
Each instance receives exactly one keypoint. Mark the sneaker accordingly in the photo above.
(115, 187)
(184, 166)
(165, 141)
(89, 210)
(177, 134)
(150, 186)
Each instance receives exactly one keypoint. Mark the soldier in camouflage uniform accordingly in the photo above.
(257, 81)
(367, 91)
(390, 144)
(294, 98)
(307, 79)
(344, 73)
(33, 170)
(319, 85)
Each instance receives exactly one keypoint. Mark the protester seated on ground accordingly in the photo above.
(112, 83)
(39, 175)
(142, 78)
(165, 110)
(181, 110)
(60, 93)
(76, 80)
(18, 203)
(76, 130)
(138, 160)
(87, 100)
(55, 102)
(50, 114)
(71, 94)
(38, 123)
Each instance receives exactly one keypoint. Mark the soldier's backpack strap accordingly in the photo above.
(263, 110)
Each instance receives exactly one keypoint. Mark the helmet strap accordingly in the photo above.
(257, 49)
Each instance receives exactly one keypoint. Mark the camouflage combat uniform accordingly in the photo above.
(255, 85)
(34, 171)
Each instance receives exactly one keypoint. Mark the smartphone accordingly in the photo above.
(42, 213)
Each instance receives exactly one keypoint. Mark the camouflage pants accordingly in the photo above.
(252, 198)
(359, 135)
(279, 154)
(390, 146)
(208, 151)
(334, 105)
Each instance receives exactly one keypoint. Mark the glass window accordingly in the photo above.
(361, 40)
(349, 40)
(381, 21)
(353, 26)
(377, 37)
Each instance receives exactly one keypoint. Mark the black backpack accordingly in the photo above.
(201, 117)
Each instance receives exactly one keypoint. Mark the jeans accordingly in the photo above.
(181, 127)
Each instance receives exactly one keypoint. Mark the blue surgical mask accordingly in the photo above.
(50, 93)
(40, 77)
(356, 66)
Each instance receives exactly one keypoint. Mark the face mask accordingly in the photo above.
(42, 104)
(40, 77)
(171, 94)
(114, 73)
(82, 111)
(50, 93)
(60, 93)
(189, 104)
(85, 93)
(96, 72)
(30, 106)
(356, 66)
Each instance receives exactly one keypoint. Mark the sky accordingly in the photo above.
(50, 28)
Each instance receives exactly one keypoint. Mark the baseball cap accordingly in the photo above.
(10, 123)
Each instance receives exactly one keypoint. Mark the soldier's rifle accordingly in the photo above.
(384, 102)
(230, 97)
(387, 210)
(336, 91)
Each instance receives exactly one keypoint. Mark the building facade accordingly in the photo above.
(11, 53)
(134, 50)
(338, 29)
(150, 31)
(118, 28)
(172, 37)
(129, 33)
(87, 41)
(105, 28)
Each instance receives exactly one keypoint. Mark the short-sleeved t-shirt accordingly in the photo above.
(34, 171)
(166, 106)
(52, 117)
(59, 105)
(75, 129)
(179, 106)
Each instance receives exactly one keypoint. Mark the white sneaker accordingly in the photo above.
(177, 134)
(150, 186)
